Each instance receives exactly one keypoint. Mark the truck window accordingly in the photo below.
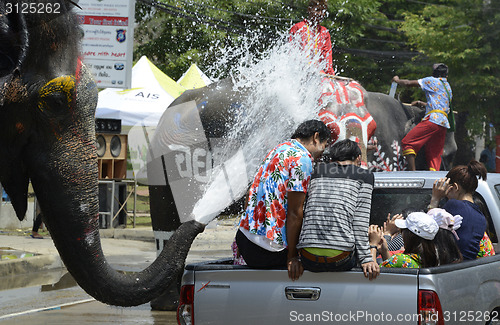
(479, 201)
(394, 201)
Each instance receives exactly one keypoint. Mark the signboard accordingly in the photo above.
(107, 45)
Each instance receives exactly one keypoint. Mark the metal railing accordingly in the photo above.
(111, 214)
(122, 206)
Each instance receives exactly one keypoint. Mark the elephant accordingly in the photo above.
(214, 110)
(47, 135)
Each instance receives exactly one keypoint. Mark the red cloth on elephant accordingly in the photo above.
(432, 136)
(317, 40)
(344, 110)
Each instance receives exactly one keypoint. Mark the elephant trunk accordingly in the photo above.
(85, 261)
(69, 202)
(63, 171)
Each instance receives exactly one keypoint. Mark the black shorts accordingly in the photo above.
(258, 257)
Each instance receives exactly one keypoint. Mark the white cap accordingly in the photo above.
(446, 220)
(421, 224)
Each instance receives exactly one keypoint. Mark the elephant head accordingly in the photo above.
(345, 113)
(47, 134)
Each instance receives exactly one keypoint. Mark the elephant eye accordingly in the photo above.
(56, 99)
(57, 95)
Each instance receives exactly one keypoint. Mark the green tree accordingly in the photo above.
(373, 40)
(176, 33)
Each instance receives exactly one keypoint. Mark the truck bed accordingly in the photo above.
(234, 294)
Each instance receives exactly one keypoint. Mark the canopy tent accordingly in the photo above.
(151, 93)
(194, 78)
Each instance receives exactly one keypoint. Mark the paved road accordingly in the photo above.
(95, 313)
(49, 295)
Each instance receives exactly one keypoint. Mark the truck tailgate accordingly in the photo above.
(249, 296)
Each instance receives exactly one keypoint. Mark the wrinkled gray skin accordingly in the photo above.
(47, 134)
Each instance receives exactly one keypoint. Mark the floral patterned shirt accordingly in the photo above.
(486, 247)
(437, 99)
(402, 260)
(286, 168)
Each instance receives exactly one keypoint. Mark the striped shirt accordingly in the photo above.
(394, 243)
(337, 210)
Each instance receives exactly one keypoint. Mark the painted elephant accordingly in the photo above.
(47, 135)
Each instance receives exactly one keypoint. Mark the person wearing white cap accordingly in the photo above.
(445, 240)
(418, 231)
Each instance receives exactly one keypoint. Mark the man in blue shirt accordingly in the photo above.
(487, 157)
(431, 132)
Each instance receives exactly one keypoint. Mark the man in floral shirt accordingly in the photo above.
(431, 132)
(269, 229)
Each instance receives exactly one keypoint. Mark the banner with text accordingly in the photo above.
(107, 44)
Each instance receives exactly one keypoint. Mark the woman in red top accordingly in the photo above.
(314, 38)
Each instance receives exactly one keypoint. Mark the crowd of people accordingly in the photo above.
(310, 210)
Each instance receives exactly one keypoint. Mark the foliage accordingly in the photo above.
(175, 33)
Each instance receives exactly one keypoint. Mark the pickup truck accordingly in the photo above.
(465, 293)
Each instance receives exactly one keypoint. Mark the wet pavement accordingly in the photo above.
(95, 313)
(42, 292)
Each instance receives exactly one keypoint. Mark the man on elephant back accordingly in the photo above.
(313, 38)
(431, 132)
(342, 100)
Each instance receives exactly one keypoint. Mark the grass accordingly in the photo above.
(142, 204)
(139, 221)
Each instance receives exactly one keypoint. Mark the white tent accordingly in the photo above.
(143, 104)
(194, 78)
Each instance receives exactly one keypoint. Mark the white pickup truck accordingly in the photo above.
(465, 293)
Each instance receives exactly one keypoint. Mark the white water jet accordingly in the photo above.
(279, 91)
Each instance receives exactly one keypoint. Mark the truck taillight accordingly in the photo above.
(429, 308)
(185, 309)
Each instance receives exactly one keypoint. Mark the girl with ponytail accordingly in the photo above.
(459, 186)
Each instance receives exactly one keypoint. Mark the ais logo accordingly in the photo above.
(147, 95)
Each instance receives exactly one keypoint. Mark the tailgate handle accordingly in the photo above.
(302, 293)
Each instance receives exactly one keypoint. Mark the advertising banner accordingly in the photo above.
(107, 45)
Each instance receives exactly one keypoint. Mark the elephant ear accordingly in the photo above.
(16, 186)
(13, 49)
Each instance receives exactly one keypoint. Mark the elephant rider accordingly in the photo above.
(312, 37)
(431, 131)
(270, 227)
